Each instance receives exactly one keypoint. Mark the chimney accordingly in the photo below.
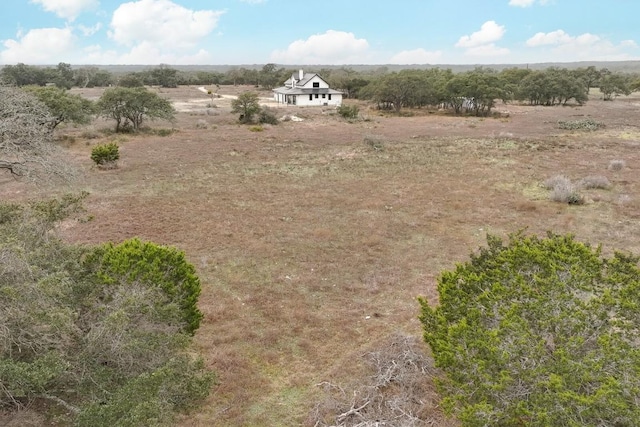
(300, 75)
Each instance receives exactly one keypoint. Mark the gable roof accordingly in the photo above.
(306, 77)
(304, 91)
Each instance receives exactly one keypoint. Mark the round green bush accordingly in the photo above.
(103, 154)
(155, 265)
(538, 332)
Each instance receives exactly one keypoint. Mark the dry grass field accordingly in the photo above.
(313, 238)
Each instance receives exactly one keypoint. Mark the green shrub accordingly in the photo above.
(160, 266)
(256, 128)
(538, 332)
(151, 399)
(266, 116)
(94, 336)
(349, 112)
(105, 154)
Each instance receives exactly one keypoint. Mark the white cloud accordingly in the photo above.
(526, 3)
(587, 46)
(39, 46)
(482, 43)
(552, 38)
(332, 47)
(416, 56)
(89, 31)
(161, 24)
(67, 9)
(489, 32)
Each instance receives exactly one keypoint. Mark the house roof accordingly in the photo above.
(305, 91)
(306, 77)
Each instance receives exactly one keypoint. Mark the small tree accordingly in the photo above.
(247, 104)
(108, 347)
(105, 154)
(539, 332)
(613, 85)
(131, 80)
(63, 106)
(165, 76)
(129, 107)
(165, 268)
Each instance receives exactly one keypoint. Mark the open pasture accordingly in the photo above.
(313, 238)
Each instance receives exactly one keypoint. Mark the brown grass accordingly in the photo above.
(312, 247)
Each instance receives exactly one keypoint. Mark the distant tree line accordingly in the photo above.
(476, 91)
(469, 92)
(65, 76)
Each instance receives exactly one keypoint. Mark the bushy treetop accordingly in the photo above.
(539, 332)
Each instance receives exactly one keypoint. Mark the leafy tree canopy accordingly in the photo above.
(539, 332)
(129, 107)
(247, 105)
(162, 267)
(63, 106)
(109, 349)
(613, 85)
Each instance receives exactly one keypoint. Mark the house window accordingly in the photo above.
(310, 97)
(329, 97)
(316, 84)
(316, 96)
(324, 96)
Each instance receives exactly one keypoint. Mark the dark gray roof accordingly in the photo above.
(305, 91)
(306, 77)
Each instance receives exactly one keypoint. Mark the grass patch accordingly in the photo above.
(162, 131)
(594, 182)
(298, 240)
(90, 134)
(374, 142)
(563, 190)
(582, 124)
(617, 165)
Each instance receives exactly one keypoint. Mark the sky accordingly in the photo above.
(321, 32)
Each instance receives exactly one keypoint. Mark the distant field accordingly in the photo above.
(312, 243)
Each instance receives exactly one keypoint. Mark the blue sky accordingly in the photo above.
(318, 32)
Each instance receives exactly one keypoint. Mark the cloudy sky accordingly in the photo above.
(317, 32)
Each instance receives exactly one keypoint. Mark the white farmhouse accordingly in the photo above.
(307, 89)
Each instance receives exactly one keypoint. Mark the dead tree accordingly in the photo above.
(26, 138)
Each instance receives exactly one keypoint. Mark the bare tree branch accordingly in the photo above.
(26, 138)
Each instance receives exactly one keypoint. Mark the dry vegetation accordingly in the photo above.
(313, 238)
